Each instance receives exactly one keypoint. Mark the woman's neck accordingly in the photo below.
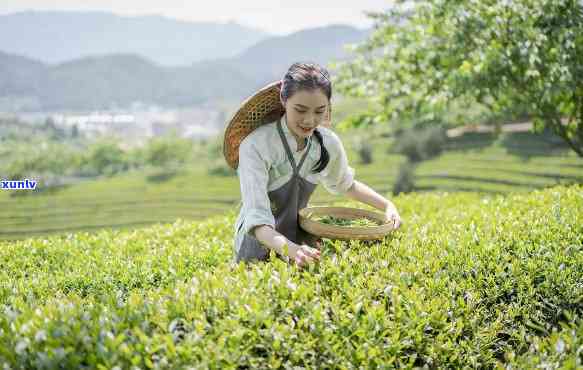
(301, 142)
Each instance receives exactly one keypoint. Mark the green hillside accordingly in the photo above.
(486, 281)
(135, 199)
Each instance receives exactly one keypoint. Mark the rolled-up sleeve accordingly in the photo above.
(338, 176)
(253, 177)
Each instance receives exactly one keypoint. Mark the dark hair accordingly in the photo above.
(309, 76)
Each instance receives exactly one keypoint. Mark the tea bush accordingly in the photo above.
(360, 144)
(420, 144)
(364, 151)
(220, 168)
(405, 181)
(469, 280)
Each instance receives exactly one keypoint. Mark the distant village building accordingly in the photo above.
(137, 124)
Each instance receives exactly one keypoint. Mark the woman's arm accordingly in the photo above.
(339, 179)
(364, 194)
(258, 218)
(272, 239)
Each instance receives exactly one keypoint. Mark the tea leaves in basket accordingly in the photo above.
(337, 221)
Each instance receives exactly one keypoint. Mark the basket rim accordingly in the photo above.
(344, 232)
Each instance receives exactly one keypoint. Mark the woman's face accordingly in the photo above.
(305, 110)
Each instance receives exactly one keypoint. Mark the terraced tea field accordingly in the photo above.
(132, 201)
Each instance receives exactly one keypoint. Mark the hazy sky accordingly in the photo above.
(275, 16)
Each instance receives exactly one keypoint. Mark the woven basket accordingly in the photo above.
(344, 232)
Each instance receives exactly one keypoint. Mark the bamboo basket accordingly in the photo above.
(344, 232)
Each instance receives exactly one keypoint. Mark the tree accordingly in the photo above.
(168, 152)
(105, 157)
(54, 132)
(500, 53)
(75, 131)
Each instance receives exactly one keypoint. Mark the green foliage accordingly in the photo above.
(217, 166)
(104, 157)
(170, 151)
(405, 182)
(214, 148)
(349, 108)
(420, 144)
(93, 203)
(364, 150)
(360, 222)
(516, 56)
(469, 280)
(365, 153)
(34, 150)
(361, 120)
(47, 158)
(56, 133)
(525, 146)
(221, 168)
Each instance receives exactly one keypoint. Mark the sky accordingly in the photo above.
(276, 16)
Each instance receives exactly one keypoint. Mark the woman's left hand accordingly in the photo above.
(391, 215)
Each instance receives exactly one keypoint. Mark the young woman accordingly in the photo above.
(283, 152)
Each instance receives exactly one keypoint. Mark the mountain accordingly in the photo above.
(58, 36)
(269, 59)
(112, 81)
(118, 80)
(20, 74)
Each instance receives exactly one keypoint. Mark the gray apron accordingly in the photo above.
(286, 201)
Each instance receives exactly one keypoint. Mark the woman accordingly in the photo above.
(282, 149)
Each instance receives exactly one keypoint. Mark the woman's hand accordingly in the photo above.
(391, 215)
(303, 254)
(364, 194)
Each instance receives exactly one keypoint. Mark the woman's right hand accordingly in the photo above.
(303, 254)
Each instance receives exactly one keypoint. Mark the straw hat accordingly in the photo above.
(261, 108)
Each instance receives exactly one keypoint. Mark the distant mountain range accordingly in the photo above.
(117, 80)
(56, 36)
(269, 59)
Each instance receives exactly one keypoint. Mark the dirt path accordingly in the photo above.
(511, 127)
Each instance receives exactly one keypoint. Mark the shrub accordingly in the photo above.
(168, 151)
(364, 150)
(420, 144)
(50, 158)
(221, 168)
(469, 281)
(103, 157)
(405, 179)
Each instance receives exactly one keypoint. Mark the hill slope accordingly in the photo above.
(520, 163)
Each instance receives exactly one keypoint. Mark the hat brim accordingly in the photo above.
(263, 107)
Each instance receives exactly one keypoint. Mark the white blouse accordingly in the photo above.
(264, 166)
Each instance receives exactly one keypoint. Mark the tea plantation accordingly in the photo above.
(488, 281)
(137, 199)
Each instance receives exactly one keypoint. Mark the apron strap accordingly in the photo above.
(289, 152)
